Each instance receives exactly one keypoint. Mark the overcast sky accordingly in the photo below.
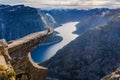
(81, 4)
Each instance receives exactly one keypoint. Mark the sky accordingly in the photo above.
(81, 4)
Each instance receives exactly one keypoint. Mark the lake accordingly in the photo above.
(42, 53)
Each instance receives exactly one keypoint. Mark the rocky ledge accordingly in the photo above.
(19, 58)
(6, 70)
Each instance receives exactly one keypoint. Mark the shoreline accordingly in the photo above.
(48, 50)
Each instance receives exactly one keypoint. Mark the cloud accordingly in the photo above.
(66, 3)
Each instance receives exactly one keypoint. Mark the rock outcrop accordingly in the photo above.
(17, 54)
(22, 63)
(6, 70)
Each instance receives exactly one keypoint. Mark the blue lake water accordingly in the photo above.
(42, 53)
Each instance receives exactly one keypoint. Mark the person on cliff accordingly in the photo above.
(49, 30)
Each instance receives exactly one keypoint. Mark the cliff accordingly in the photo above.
(6, 70)
(21, 61)
(18, 21)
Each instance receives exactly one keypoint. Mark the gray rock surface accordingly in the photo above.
(22, 63)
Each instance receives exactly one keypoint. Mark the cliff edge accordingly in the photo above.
(6, 70)
(20, 59)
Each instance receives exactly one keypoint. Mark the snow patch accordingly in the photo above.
(51, 17)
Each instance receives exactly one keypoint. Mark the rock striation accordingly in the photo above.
(22, 63)
(6, 70)
(20, 59)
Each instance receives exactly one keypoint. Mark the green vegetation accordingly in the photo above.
(2, 68)
(7, 74)
(11, 73)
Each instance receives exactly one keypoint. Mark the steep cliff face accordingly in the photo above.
(91, 56)
(18, 21)
(6, 70)
(22, 62)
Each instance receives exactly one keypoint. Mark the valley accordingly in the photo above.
(43, 53)
(85, 44)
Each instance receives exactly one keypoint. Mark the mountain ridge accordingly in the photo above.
(94, 54)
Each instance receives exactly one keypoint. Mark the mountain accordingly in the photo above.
(94, 54)
(19, 20)
(94, 20)
(70, 15)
